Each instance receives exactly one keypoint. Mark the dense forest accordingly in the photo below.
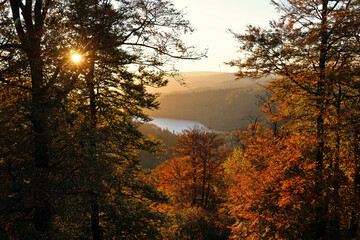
(75, 95)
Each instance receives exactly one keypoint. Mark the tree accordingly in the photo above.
(192, 174)
(117, 95)
(271, 185)
(24, 67)
(193, 181)
(312, 48)
(102, 95)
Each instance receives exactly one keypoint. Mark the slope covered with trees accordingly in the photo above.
(213, 98)
(163, 152)
(219, 109)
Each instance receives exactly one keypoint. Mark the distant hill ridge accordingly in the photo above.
(215, 99)
(200, 81)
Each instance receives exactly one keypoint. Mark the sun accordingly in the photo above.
(76, 58)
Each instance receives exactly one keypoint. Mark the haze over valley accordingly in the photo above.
(214, 99)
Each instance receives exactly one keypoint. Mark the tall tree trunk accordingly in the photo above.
(41, 138)
(195, 181)
(95, 219)
(204, 180)
(322, 208)
(207, 195)
(334, 223)
(30, 37)
(354, 226)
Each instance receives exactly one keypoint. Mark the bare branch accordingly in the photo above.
(15, 8)
(165, 53)
(38, 14)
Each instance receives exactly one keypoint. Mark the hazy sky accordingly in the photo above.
(212, 19)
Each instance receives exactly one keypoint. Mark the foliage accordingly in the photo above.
(312, 50)
(191, 176)
(272, 188)
(193, 181)
(70, 145)
(167, 138)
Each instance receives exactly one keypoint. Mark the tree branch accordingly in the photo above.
(53, 78)
(38, 14)
(164, 53)
(15, 6)
(10, 45)
(26, 12)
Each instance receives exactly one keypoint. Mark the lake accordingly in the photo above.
(176, 125)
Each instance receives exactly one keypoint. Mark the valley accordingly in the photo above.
(214, 99)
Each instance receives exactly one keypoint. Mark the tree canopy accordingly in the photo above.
(313, 49)
(70, 140)
(74, 78)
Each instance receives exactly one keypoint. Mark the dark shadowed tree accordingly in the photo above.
(77, 137)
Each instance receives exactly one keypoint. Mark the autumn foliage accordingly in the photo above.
(272, 185)
(309, 164)
(191, 177)
(193, 180)
(70, 138)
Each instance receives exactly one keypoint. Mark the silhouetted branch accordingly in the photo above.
(165, 53)
(10, 45)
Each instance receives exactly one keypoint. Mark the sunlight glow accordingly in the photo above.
(76, 58)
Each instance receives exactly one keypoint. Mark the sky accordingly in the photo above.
(212, 19)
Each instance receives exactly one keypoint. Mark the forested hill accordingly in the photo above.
(215, 99)
(200, 81)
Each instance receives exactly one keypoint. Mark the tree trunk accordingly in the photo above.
(322, 208)
(204, 180)
(30, 38)
(334, 223)
(354, 225)
(41, 139)
(207, 195)
(95, 219)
